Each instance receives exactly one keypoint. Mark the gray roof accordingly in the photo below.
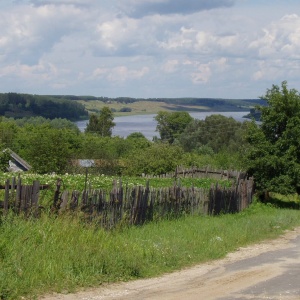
(18, 159)
(86, 163)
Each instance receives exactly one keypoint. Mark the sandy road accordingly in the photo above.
(269, 270)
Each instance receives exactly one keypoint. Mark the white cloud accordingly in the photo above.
(202, 75)
(28, 32)
(202, 48)
(281, 37)
(39, 72)
(120, 73)
(170, 66)
(200, 41)
(112, 35)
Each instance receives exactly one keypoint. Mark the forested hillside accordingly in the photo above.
(25, 105)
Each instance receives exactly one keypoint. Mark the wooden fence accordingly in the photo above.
(132, 205)
(137, 205)
(21, 198)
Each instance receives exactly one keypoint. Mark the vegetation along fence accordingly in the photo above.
(195, 172)
(132, 205)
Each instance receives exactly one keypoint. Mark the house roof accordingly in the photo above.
(86, 163)
(18, 159)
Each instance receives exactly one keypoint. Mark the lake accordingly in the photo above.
(146, 124)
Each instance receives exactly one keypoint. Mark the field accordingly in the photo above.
(137, 108)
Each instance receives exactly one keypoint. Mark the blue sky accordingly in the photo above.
(149, 48)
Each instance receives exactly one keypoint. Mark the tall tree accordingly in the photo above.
(102, 124)
(156, 159)
(273, 157)
(47, 149)
(216, 132)
(171, 124)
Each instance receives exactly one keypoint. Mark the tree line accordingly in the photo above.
(17, 105)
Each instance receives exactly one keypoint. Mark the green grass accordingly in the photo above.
(63, 254)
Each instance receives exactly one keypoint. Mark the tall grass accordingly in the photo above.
(63, 253)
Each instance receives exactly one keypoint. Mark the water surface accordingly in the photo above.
(146, 124)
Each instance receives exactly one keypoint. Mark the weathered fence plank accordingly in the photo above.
(21, 198)
(6, 196)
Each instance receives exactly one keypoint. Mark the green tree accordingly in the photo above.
(154, 160)
(136, 140)
(171, 124)
(4, 159)
(47, 149)
(8, 131)
(101, 124)
(216, 133)
(273, 157)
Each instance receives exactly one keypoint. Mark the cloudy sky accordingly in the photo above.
(149, 48)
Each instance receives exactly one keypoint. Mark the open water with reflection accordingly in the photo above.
(146, 124)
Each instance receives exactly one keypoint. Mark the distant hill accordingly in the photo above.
(25, 105)
(127, 105)
(78, 107)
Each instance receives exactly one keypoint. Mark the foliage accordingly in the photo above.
(102, 124)
(154, 160)
(171, 124)
(77, 181)
(274, 156)
(4, 159)
(8, 131)
(222, 160)
(216, 132)
(136, 141)
(49, 145)
(26, 105)
(98, 147)
(45, 148)
(57, 123)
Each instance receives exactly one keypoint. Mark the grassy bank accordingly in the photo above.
(63, 254)
(136, 108)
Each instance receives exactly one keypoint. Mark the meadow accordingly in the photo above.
(64, 254)
(136, 108)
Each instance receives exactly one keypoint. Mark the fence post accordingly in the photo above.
(6, 196)
(18, 195)
(56, 202)
(35, 196)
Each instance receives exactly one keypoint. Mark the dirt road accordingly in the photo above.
(269, 270)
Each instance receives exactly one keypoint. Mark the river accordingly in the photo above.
(146, 124)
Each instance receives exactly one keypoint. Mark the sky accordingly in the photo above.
(233, 49)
